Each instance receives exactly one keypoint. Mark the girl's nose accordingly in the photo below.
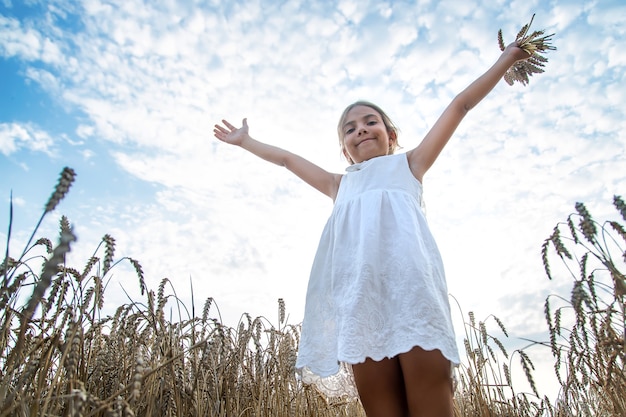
(362, 129)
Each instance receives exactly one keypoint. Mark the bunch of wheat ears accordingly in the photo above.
(535, 44)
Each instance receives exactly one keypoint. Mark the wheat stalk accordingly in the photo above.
(534, 44)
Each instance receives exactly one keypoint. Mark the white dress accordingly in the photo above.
(377, 286)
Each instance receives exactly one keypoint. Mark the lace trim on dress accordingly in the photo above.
(339, 385)
(342, 384)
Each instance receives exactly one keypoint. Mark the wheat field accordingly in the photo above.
(59, 357)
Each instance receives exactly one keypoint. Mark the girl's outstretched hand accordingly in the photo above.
(516, 52)
(230, 134)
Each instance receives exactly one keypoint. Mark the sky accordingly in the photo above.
(127, 93)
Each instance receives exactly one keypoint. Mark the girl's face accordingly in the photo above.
(365, 135)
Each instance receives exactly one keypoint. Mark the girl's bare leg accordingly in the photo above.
(381, 387)
(428, 383)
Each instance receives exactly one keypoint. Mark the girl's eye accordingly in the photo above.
(371, 122)
(349, 131)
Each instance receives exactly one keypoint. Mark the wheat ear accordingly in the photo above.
(534, 44)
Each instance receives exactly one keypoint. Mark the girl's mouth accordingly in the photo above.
(365, 140)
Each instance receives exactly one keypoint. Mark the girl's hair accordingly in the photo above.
(391, 127)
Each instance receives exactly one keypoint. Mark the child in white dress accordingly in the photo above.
(377, 318)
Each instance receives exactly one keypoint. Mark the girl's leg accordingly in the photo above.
(428, 382)
(381, 387)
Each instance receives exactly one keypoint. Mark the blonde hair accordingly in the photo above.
(392, 129)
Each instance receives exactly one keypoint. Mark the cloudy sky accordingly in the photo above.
(127, 93)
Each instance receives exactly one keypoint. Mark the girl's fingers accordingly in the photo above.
(221, 132)
(220, 129)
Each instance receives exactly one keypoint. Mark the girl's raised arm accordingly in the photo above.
(424, 155)
(310, 173)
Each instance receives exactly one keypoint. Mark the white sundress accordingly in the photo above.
(377, 286)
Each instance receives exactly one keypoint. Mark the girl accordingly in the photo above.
(377, 315)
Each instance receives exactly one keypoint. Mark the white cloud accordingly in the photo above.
(84, 131)
(87, 154)
(563, 15)
(26, 42)
(19, 202)
(46, 79)
(611, 18)
(16, 41)
(15, 136)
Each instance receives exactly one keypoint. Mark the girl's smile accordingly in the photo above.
(365, 135)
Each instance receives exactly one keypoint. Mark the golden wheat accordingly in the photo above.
(590, 353)
(64, 359)
(534, 44)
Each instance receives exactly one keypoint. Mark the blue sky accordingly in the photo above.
(127, 92)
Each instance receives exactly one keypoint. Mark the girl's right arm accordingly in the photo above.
(423, 156)
(318, 178)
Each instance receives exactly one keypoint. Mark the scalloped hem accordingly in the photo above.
(341, 384)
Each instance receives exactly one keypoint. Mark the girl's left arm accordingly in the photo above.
(424, 155)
